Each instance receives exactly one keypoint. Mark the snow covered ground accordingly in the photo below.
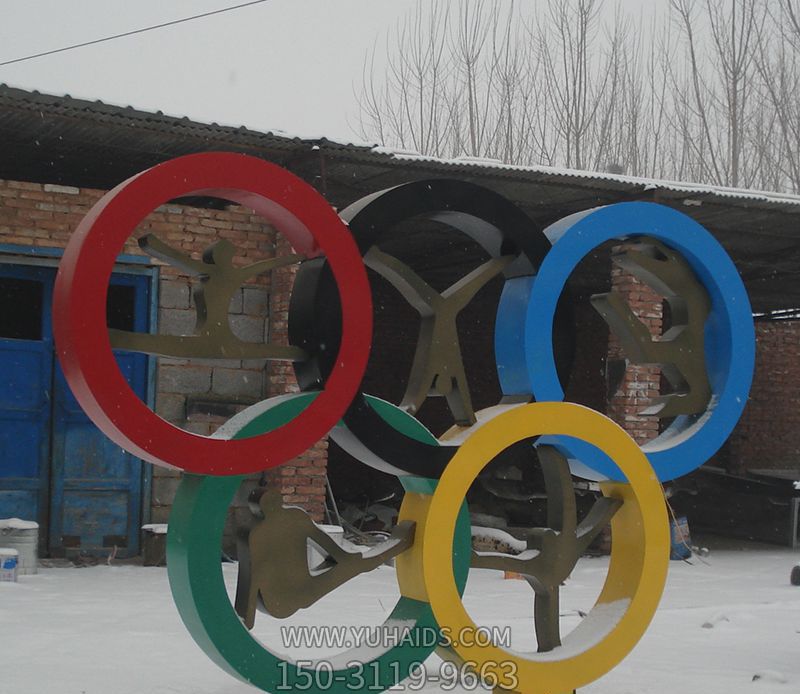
(726, 627)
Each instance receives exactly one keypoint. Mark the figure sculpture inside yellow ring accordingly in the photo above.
(639, 555)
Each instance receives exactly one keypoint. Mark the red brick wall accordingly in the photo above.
(641, 383)
(195, 394)
(302, 480)
(768, 434)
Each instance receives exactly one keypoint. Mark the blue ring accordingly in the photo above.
(525, 357)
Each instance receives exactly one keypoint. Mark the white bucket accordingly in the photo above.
(23, 536)
(9, 559)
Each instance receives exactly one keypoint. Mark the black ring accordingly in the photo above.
(491, 220)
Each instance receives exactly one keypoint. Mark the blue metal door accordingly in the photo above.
(26, 367)
(85, 491)
(96, 487)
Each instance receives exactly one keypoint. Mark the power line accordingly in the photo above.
(131, 33)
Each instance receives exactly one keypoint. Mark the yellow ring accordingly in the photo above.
(639, 555)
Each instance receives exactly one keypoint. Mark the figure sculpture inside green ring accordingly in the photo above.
(195, 573)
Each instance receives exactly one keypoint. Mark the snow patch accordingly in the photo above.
(591, 631)
(115, 628)
(18, 524)
(156, 528)
(498, 536)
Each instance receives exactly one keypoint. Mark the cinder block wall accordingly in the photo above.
(197, 395)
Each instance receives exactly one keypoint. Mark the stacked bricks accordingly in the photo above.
(641, 383)
(35, 214)
(768, 434)
(302, 480)
(197, 395)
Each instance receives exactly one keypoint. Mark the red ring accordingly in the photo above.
(79, 309)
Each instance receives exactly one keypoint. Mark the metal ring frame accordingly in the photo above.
(385, 437)
(195, 534)
(526, 358)
(79, 309)
(489, 219)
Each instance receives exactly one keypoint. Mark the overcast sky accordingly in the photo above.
(283, 64)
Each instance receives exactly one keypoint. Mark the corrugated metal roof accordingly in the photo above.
(59, 139)
(12, 98)
(601, 178)
(96, 112)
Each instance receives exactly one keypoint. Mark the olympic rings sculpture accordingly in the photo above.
(708, 352)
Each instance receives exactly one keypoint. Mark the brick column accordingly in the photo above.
(302, 480)
(641, 383)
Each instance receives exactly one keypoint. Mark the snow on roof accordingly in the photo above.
(563, 172)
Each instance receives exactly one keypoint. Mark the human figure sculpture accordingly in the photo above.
(438, 366)
(274, 573)
(552, 553)
(219, 281)
(681, 350)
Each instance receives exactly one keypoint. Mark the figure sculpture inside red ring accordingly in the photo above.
(84, 348)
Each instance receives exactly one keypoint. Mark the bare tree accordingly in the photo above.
(790, 12)
(406, 109)
(714, 101)
(778, 64)
(582, 90)
(721, 85)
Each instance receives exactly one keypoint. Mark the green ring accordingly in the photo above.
(195, 575)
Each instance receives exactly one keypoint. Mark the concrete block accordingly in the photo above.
(237, 302)
(175, 321)
(184, 379)
(172, 407)
(174, 294)
(247, 328)
(164, 489)
(256, 301)
(238, 382)
(154, 548)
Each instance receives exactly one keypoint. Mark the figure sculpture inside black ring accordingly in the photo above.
(516, 247)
